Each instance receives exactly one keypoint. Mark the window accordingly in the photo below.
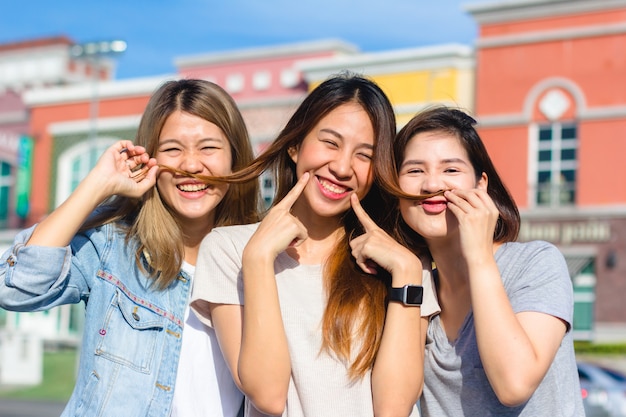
(262, 80)
(75, 163)
(267, 189)
(234, 83)
(556, 164)
(83, 163)
(5, 189)
(289, 78)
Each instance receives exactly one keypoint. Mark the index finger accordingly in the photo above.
(290, 198)
(364, 218)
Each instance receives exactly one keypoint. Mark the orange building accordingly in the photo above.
(551, 105)
(25, 66)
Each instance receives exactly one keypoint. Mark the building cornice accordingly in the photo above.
(401, 60)
(85, 92)
(574, 213)
(551, 35)
(512, 10)
(515, 119)
(85, 125)
(275, 51)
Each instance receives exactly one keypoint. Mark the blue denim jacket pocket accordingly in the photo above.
(137, 327)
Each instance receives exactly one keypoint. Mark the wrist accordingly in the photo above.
(409, 295)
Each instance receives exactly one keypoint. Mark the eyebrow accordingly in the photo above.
(444, 161)
(176, 140)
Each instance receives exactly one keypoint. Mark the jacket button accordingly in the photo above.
(135, 315)
(11, 260)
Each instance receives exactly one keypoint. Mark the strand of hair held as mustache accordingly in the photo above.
(214, 180)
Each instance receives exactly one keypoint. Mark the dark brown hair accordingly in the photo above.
(459, 124)
(355, 312)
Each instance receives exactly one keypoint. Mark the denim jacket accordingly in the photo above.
(132, 333)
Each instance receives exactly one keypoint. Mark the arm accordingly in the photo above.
(516, 349)
(398, 373)
(34, 272)
(112, 175)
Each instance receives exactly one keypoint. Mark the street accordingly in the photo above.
(22, 408)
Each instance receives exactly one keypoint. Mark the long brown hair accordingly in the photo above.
(154, 225)
(455, 122)
(356, 301)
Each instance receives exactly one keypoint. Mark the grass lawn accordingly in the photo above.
(59, 375)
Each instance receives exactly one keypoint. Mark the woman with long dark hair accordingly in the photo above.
(301, 315)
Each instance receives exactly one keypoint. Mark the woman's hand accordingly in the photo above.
(477, 216)
(376, 248)
(112, 175)
(279, 229)
(127, 170)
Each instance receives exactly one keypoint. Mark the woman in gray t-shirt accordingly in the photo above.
(501, 344)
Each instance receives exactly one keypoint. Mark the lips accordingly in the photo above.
(434, 206)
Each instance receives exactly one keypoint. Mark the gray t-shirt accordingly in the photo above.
(319, 384)
(535, 278)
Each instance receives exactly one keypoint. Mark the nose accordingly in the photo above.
(191, 163)
(341, 165)
(433, 183)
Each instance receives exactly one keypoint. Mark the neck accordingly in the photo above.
(450, 261)
(193, 233)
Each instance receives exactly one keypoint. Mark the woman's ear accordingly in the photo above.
(293, 153)
(483, 182)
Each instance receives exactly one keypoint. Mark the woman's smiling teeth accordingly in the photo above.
(192, 187)
(332, 187)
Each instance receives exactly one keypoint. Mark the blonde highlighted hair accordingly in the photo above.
(151, 223)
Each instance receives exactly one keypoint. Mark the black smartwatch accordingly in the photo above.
(409, 295)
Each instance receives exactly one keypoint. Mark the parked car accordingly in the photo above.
(603, 390)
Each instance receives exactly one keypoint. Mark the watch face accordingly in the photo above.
(414, 294)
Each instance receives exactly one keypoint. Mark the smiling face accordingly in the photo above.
(434, 161)
(338, 153)
(195, 145)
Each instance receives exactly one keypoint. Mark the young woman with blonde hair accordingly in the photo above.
(125, 242)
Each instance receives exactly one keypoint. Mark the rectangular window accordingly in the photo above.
(5, 190)
(556, 164)
(545, 156)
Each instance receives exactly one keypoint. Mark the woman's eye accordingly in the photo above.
(414, 171)
(330, 142)
(169, 149)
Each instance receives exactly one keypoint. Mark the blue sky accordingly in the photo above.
(159, 31)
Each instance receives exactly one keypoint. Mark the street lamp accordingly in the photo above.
(94, 53)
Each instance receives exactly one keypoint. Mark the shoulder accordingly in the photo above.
(523, 251)
(226, 238)
(103, 235)
(539, 261)
(238, 233)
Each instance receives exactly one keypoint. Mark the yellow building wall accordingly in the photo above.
(409, 92)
